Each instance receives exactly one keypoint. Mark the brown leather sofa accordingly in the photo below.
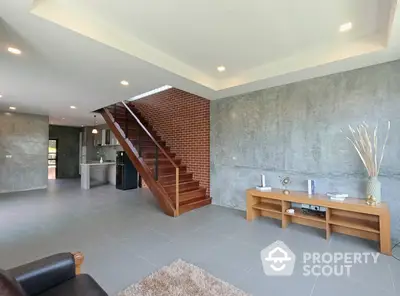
(57, 275)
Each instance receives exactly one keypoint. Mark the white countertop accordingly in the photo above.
(98, 163)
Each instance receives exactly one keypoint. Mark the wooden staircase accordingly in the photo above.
(164, 174)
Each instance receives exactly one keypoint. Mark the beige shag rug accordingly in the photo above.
(181, 279)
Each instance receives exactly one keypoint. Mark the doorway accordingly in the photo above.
(52, 159)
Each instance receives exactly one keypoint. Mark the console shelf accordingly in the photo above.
(355, 223)
(299, 214)
(263, 206)
(352, 217)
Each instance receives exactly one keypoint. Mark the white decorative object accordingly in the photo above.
(337, 194)
(365, 141)
(263, 180)
(264, 189)
(311, 187)
(290, 211)
(374, 188)
(334, 198)
(263, 186)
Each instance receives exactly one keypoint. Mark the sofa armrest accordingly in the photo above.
(43, 274)
(78, 258)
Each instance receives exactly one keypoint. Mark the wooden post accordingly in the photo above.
(177, 192)
(250, 213)
(285, 219)
(78, 257)
(328, 227)
(384, 232)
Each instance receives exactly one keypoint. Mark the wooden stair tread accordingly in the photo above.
(152, 154)
(146, 142)
(198, 193)
(191, 195)
(195, 205)
(166, 167)
(181, 182)
(171, 178)
(151, 161)
(184, 187)
(152, 148)
(180, 174)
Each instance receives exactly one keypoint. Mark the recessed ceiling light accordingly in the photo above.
(1, 96)
(346, 27)
(221, 69)
(72, 107)
(14, 50)
(124, 82)
(63, 118)
(12, 108)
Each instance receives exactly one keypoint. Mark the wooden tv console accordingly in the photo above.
(352, 217)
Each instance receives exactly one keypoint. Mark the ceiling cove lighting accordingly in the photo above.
(14, 50)
(12, 108)
(221, 69)
(346, 27)
(151, 92)
(124, 83)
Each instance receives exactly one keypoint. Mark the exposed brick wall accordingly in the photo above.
(183, 121)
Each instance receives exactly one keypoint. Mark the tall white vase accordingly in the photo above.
(374, 188)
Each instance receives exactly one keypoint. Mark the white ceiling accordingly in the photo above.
(75, 52)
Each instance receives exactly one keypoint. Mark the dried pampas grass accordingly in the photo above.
(365, 141)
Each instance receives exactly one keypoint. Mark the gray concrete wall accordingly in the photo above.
(68, 150)
(295, 130)
(24, 138)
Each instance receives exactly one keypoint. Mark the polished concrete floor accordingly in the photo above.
(125, 237)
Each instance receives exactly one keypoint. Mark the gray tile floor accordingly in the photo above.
(125, 237)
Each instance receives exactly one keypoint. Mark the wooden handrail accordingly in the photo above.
(141, 166)
(150, 135)
(163, 151)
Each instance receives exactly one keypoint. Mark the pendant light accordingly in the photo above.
(94, 130)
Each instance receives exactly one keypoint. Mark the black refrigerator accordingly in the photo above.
(127, 176)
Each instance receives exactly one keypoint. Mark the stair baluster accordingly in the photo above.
(177, 190)
(126, 124)
(156, 165)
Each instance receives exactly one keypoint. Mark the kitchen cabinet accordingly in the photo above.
(97, 138)
(113, 139)
(105, 137)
